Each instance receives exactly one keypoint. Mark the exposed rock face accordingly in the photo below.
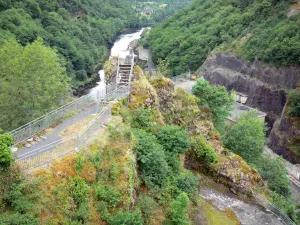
(180, 107)
(266, 88)
(283, 137)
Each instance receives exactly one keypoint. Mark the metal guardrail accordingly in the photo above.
(32, 128)
(54, 150)
(273, 209)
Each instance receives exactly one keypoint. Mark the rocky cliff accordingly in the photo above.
(266, 88)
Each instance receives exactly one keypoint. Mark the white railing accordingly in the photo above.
(32, 128)
(62, 147)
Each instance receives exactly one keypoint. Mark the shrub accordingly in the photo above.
(5, 153)
(217, 98)
(179, 210)
(107, 194)
(80, 193)
(142, 119)
(247, 137)
(147, 206)
(127, 218)
(188, 183)
(274, 172)
(204, 151)
(286, 205)
(153, 167)
(120, 132)
(173, 139)
(294, 103)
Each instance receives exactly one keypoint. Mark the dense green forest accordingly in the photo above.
(250, 28)
(80, 30)
(159, 9)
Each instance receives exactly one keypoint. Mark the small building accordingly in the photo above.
(240, 97)
(240, 109)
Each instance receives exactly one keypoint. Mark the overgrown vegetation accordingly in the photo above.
(217, 98)
(33, 81)
(79, 29)
(152, 12)
(252, 29)
(294, 103)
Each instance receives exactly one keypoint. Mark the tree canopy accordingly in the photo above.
(33, 81)
(80, 30)
(252, 29)
(217, 98)
(247, 137)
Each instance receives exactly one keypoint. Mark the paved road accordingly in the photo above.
(55, 135)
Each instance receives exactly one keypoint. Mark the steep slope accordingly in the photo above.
(253, 29)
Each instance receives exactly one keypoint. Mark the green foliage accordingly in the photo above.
(185, 39)
(151, 159)
(5, 153)
(204, 151)
(247, 137)
(142, 119)
(33, 82)
(79, 29)
(274, 172)
(80, 193)
(294, 103)
(179, 210)
(147, 206)
(107, 194)
(188, 183)
(19, 199)
(127, 218)
(286, 205)
(163, 68)
(159, 13)
(120, 132)
(174, 139)
(217, 98)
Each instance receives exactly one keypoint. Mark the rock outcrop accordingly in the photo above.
(181, 108)
(265, 86)
(285, 138)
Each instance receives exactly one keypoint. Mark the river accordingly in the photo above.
(120, 48)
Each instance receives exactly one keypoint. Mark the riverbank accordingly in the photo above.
(112, 50)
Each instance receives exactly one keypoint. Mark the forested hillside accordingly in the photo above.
(250, 28)
(156, 11)
(80, 30)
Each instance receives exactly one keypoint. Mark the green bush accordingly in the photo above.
(180, 210)
(147, 206)
(247, 137)
(188, 183)
(127, 218)
(174, 139)
(80, 193)
(153, 167)
(204, 151)
(5, 153)
(217, 98)
(107, 194)
(142, 119)
(274, 172)
(294, 103)
(286, 205)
